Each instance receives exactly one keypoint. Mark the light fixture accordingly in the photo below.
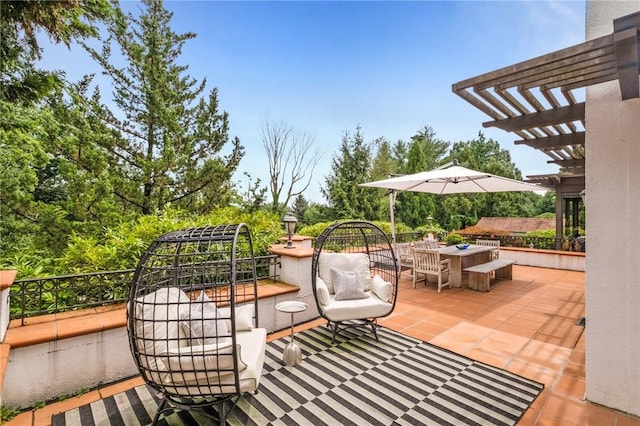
(583, 195)
(429, 219)
(290, 226)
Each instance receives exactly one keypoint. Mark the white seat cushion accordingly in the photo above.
(252, 345)
(343, 310)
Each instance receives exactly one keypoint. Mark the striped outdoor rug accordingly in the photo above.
(357, 381)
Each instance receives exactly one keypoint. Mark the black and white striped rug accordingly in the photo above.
(396, 381)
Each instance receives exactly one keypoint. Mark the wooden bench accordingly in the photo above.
(480, 275)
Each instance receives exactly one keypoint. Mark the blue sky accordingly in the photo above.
(324, 68)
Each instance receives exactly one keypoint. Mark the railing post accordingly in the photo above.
(6, 279)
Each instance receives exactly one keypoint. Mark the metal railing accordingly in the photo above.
(544, 243)
(40, 296)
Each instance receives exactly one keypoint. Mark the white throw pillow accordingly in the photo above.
(346, 262)
(157, 322)
(348, 284)
(200, 321)
(381, 288)
(322, 292)
(244, 316)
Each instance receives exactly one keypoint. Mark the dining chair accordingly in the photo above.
(491, 243)
(429, 263)
(404, 255)
(432, 244)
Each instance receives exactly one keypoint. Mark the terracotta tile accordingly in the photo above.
(533, 372)
(428, 328)
(541, 400)
(401, 320)
(466, 331)
(577, 357)
(22, 419)
(445, 320)
(120, 387)
(626, 420)
(488, 322)
(547, 350)
(529, 418)
(419, 334)
(548, 420)
(575, 370)
(570, 386)
(541, 359)
(581, 412)
(113, 319)
(489, 356)
(453, 345)
(79, 326)
(110, 308)
(43, 415)
(31, 335)
(507, 327)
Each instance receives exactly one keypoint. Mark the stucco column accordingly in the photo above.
(613, 256)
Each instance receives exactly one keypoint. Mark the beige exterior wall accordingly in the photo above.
(613, 221)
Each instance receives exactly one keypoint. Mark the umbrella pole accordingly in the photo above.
(392, 202)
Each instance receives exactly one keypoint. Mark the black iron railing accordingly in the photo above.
(544, 243)
(40, 296)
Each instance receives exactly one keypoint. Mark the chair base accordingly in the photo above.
(215, 409)
(337, 326)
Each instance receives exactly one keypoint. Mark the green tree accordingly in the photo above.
(63, 21)
(385, 164)
(486, 155)
(350, 167)
(300, 206)
(254, 198)
(425, 152)
(30, 221)
(162, 142)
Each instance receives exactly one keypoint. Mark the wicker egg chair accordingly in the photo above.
(354, 276)
(192, 320)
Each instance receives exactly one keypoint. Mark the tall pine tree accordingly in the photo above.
(163, 140)
(30, 219)
(350, 167)
(425, 152)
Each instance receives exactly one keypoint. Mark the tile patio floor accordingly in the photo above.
(526, 325)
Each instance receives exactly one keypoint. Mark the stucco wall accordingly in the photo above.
(613, 205)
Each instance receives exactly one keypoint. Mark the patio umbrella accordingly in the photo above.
(453, 180)
(450, 179)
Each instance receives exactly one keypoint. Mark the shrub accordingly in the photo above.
(316, 229)
(542, 233)
(121, 247)
(453, 238)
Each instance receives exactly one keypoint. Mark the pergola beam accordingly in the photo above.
(554, 142)
(538, 119)
(569, 162)
(627, 55)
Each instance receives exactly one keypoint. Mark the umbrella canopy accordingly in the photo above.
(453, 180)
(449, 180)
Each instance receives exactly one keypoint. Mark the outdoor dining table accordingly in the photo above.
(460, 259)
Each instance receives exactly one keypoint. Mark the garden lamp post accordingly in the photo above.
(290, 226)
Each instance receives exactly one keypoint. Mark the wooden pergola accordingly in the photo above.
(537, 100)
